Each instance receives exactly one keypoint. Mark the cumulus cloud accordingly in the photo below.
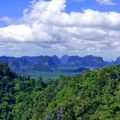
(46, 25)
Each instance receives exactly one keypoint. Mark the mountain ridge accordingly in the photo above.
(53, 63)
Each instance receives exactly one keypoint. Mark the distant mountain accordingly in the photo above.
(56, 60)
(93, 61)
(39, 63)
(54, 63)
(117, 61)
(64, 59)
(87, 61)
(75, 60)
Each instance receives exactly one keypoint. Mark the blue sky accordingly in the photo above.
(14, 8)
(78, 5)
(74, 27)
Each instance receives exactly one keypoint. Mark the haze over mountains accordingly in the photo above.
(54, 63)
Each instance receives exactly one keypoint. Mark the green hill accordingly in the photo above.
(92, 95)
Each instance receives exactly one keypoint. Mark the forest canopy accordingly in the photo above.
(91, 95)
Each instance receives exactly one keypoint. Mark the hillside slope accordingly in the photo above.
(92, 95)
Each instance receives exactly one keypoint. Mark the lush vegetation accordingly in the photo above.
(92, 95)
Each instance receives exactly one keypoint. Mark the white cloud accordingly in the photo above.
(7, 20)
(53, 31)
(101, 2)
(106, 2)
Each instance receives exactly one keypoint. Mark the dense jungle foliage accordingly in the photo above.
(92, 95)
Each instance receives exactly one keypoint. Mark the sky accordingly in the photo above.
(58, 27)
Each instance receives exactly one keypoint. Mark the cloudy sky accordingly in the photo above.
(48, 27)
